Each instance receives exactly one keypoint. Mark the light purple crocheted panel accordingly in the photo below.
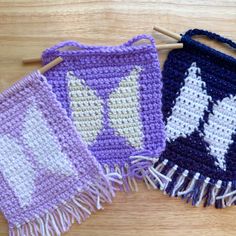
(113, 95)
(42, 159)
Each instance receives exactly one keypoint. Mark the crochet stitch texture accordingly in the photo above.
(113, 95)
(48, 178)
(199, 100)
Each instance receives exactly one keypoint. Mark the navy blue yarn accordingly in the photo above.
(206, 50)
(218, 70)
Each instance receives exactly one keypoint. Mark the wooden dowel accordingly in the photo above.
(167, 32)
(159, 47)
(31, 60)
(50, 65)
(170, 46)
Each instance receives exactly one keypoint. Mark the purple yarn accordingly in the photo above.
(46, 171)
(131, 119)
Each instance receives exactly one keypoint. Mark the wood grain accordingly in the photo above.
(27, 27)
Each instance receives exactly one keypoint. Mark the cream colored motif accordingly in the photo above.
(123, 108)
(189, 109)
(87, 108)
(46, 148)
(18, 171)
(220, 128)
(189, 106)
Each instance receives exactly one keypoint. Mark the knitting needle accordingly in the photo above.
(50, 65)
(160, 47)
(167, 32)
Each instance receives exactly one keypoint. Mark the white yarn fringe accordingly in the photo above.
(195, 189)
(78, 208)
(127, 182)
(148, 173)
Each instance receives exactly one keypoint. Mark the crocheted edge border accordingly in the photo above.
(194, 188)
(78, 208)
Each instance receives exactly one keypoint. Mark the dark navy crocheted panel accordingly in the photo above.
(202, 145)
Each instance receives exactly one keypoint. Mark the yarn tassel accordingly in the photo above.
(125, 180)
(78, 208)
(141, 167)
(170, 174)
(179, 183)
(229, 196)
(194, 188)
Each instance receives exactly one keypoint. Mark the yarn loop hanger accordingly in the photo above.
(90, 47)
(187, 38)
(210, 35)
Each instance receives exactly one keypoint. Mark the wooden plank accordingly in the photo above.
(27, 27)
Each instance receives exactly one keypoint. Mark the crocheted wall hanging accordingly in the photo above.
(199, 107)
(113, 95)
(48, 178)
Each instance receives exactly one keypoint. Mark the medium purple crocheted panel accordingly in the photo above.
(43, 162)
(113, 95)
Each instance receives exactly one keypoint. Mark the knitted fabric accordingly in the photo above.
(199, 106)
(113, 95)
(48, 178)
